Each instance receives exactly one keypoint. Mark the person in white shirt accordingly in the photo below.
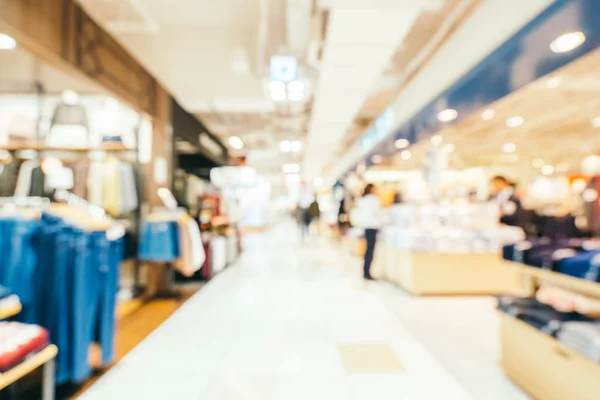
(371, 220)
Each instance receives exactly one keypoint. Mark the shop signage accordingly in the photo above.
(377, 131)
(283, 68)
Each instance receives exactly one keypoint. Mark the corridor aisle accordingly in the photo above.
(289, 321)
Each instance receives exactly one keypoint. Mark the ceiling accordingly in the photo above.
(353, 56)
(560, 126)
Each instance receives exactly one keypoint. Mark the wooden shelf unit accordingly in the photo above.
(28, 366)
(108, 147)
(9, 312)
(539, 363)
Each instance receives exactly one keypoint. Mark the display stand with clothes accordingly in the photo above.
(64, 264)
(171, 240)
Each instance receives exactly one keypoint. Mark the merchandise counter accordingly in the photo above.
(447, 273)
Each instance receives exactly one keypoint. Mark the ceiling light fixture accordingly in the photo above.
(402, 143)
(488, 115)
(285, 146)
(276, 86)
(7, 42)
(447, 115)
(509, 147)
(291, 169)
(406, 155)
(547, 170)
(295, 90)
(295, 146)
(567, 42)
(515, 121)
(376, 159)
(596, 122)
(436, 140)
(538, 163)
(236, 143)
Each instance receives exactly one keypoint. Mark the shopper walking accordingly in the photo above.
(370, 218)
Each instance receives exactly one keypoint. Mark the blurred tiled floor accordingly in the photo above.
(289, 321)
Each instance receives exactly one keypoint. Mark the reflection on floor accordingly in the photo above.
(132, 330)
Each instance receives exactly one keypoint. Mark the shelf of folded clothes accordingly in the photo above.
(23, 348)
(553, 355)
(572, 264)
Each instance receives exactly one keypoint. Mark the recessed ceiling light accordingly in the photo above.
(376, 159)
(547, 170)
(447, 115)
(515, 121)
(436, 140)
(450, 148)
(295, 146)
(278, 96)
(596, 122)
(291, 169)
(7, 42)
(538, 163)
(405, 155)
(488, 114)
(402, 143)
(285, 146)
(236, 143)
(553, 83)
(567, 42)
(509, 147)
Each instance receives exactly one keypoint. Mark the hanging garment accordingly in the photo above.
(23, 187)
(80, 175)
(9, 177)
(38, 183)
(111, 186)
(129, 197)
(95, 183)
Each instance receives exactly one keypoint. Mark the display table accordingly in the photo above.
(448, 273)
(539, 363)
(544, 367)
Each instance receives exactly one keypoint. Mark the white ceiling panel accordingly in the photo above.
(358, 47)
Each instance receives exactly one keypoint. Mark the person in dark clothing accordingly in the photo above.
(511, 209)
(371, 220)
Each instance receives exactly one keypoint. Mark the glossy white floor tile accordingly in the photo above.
(270, 328)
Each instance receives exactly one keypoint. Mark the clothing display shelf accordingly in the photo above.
(45, 358)
(539, 363)
(10, 312)
(107, 147)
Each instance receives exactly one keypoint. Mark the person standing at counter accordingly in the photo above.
(370, 218)
(511, 210)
